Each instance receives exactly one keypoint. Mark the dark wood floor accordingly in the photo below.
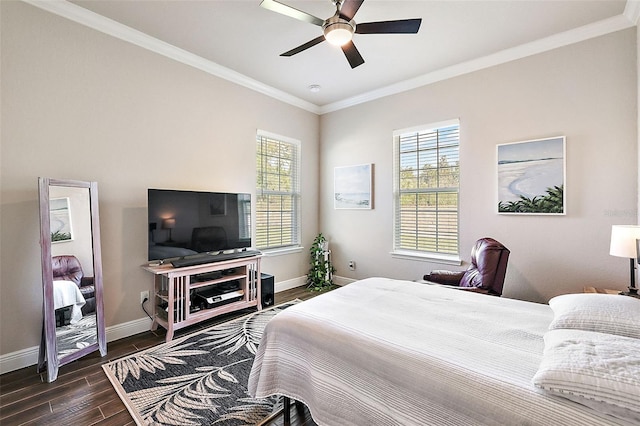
(82, 394)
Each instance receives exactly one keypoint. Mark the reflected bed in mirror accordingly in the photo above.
(71, 273)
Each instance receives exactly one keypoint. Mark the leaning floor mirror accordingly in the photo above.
(71, 273)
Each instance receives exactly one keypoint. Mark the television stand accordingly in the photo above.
(175, 290)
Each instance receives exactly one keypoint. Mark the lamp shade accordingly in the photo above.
(338, 34)
(623, 241)
(338, 31)
(168, 223)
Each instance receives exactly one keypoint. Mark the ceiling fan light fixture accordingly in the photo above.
(337, 31)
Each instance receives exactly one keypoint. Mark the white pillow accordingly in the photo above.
(604, 313)
(601, 371)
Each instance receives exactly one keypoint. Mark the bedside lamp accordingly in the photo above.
(169, 224)
(624, 244)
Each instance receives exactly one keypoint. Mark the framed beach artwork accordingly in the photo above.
(217, 204)
(353, 187)
(531, 177)
(60, 219)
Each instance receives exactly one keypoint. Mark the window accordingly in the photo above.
(278, 192)
(244, 214)
(427, 177)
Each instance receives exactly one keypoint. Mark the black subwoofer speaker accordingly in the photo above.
(267, 290)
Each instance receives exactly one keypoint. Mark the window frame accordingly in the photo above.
(295, 193)
(407, 253)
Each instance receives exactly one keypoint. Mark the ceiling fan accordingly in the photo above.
(339, 28)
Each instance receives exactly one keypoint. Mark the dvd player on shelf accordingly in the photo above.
(215, 297)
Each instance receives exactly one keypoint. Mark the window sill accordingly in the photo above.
(427, 257)
(281, 251)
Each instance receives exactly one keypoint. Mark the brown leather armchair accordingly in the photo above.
(67, 267)
(208, 238)
(485, 274)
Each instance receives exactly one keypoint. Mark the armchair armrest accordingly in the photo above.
(445, 277)
(85, 281)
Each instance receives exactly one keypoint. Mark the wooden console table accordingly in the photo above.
(174, 289)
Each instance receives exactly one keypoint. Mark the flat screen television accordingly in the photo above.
(184, 223)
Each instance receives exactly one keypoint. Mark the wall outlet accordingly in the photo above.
(352, 265)
(144, 295)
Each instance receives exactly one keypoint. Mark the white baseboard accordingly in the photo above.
(338, 280)
(289, 284)
(120, 331)
(19, 359)
(29, 356)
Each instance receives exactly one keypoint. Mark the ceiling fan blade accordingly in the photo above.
(349, 8)
(276, 6)
(305, 46)
(352, 54)
(404, 26)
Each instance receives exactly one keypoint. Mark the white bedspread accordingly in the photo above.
(388, 352)
(67, 293)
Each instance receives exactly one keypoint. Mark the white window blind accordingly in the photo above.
(278, 192)
(426, 185)
(244, 215)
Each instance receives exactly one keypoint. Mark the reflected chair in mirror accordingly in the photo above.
(485, 274)
(68, 268)
(208, 238)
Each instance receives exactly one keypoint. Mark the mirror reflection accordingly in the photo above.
(72, 273)
(72, 268)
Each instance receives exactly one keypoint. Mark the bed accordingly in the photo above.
(388, 352)
(67, 293)
(157, 252)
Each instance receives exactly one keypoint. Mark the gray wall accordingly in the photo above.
(586, 92)
(79, 104)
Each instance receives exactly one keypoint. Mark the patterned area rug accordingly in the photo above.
(73, 337)
(199, 379)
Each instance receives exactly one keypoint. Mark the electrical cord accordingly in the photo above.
(143, 308)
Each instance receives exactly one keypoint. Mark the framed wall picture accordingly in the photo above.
(532, 176)
(217, 204)
(353, 187)
(60, 220)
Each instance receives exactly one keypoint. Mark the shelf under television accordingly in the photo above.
(173, 286)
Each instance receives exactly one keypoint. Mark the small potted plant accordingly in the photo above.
(320, 276)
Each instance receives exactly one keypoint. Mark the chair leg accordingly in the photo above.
(299, 409)
(287, 411)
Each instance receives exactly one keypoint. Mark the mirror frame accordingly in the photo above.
(49, 345)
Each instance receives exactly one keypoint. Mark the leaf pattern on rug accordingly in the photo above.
(251, 412)
(152, 360)
(199, 379)
(76, 336)
(188, 392)
(235, 335)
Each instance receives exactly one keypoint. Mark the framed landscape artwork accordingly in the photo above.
(353, 187)
(217, 204)
(531, 177)
(60, 220)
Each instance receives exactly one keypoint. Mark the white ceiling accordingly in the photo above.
(241, 41)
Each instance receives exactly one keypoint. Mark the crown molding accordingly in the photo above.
(555, 41)
(632, 11)
(115, 29)
(78, 14)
